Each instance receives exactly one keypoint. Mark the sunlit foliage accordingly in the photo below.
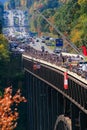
(69, 16)
(4, 53)
(8, 109)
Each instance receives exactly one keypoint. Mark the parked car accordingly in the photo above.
(57, 50)
(37, 40)
(43, 41)
(49, 44)
(83, 65)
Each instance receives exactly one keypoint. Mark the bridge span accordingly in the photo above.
(50, 106)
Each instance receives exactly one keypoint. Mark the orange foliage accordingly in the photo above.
(76, 35)
(9, 116)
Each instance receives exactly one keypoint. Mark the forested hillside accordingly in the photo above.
(29, 3)
(69, 16)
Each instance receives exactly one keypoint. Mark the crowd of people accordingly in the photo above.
(69, 62)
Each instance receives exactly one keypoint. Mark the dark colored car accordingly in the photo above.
(37, 40)
(57, 50)
(43, 41)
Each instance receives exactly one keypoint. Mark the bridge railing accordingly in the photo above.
(59, 60)
(54, 76)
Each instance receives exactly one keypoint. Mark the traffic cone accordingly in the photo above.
(65, 80)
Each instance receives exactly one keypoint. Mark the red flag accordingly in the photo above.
(84, 50)
(34, 67)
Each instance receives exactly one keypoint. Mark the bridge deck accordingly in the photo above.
(54, 76)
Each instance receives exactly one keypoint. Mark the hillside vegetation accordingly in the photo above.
(69, 16)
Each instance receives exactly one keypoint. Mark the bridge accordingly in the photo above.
(50, 105)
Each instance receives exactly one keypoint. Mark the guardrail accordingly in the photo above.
(54, 76)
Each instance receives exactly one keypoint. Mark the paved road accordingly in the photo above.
(38, 45)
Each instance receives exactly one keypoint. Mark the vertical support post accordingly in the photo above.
(82, 121)
(73, 116)
(30, 116)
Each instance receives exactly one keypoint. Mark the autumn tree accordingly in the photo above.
(4, 53)
(8, 108)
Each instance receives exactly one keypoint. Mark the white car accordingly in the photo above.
(83, 65)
